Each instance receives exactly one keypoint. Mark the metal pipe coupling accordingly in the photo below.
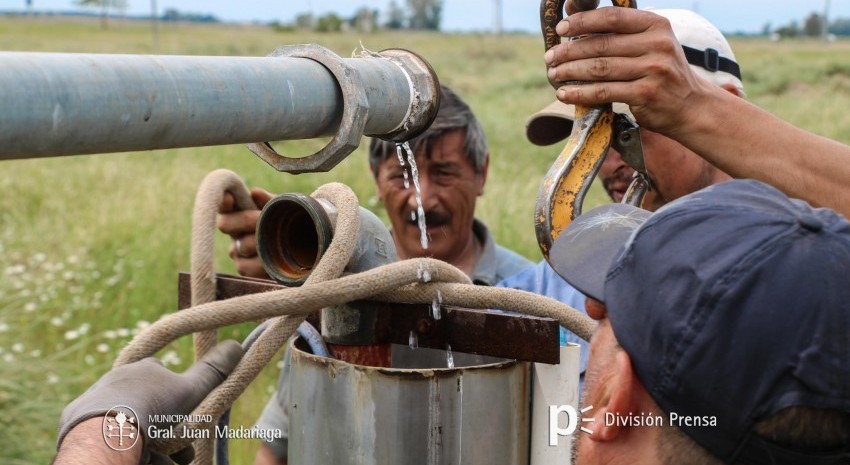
(295, 230)
(393, 95)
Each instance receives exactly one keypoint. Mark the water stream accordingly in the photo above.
(414, 174)
(435, 306)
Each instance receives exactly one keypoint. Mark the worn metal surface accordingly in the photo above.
(358, 79)
(68, 104)
(370, 355)
(519, 337)
(347, 414)
(562, 191)
(637, 191)
(293, 232)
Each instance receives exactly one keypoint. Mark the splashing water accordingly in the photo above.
(422, 274)
(435, 306)
(413, 340)
(403, 171)
(420, 212)
(450, 360)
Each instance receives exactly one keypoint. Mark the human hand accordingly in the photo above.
(241, 226)
(150, 389)
(632, 57)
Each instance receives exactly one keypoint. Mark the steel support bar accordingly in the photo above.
(518, 337)
(65, 104)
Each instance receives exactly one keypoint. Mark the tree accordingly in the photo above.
(104, 6)
(812, 27)
(395, 16)
(305, 21)
(365, 19)
(425, 14)
(840, 27)
(329, 23)
(791, 30)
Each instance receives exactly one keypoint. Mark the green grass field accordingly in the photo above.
(90, 246)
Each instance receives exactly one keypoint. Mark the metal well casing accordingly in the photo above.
(350, 414)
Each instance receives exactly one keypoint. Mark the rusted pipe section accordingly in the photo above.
(69, 104)
(293, 233)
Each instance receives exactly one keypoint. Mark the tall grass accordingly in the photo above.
(90, 246)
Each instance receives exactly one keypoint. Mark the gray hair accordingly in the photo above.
(453, 114)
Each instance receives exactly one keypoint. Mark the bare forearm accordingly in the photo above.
(84, 445)
(748, 142)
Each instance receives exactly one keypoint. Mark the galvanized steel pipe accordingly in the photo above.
(67, 104)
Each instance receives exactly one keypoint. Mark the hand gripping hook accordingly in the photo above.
(565, 185)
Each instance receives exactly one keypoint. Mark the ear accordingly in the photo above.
(483, 174)
(732, 90)
(620, 400)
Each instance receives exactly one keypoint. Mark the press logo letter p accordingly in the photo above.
(555, 430)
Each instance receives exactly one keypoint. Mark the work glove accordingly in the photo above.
(148, 388)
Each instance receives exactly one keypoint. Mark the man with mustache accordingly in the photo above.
(452, 160)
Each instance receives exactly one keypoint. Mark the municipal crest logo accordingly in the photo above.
(120, 428)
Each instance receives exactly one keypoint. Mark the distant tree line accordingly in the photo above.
(172, 14)
(415, 14)
(812, 26)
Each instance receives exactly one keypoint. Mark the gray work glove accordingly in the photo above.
(151, 389)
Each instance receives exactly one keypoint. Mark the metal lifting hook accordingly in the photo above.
(595, 129)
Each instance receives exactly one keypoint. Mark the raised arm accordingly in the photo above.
(638, 61)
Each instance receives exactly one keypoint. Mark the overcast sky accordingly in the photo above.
(466, 15)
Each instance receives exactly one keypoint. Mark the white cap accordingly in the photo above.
(694, 31)
(554, 122)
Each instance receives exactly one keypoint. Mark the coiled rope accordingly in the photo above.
(395, 282)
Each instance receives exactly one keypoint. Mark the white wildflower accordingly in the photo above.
(30, 307)
(56, 321)
(71, 334)
(52, 378)
(103, 348)
(18, 347)
(3, 326)
(170, 358)
(89, 359)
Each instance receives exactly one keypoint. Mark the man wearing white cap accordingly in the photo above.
(633, 56)
(674, 170)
